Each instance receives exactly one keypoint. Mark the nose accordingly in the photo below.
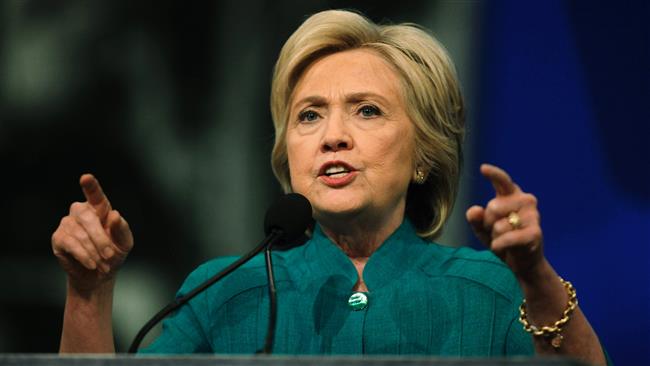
(336, 136)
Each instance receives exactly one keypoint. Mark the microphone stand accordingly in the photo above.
(271, 239)
(273, 304)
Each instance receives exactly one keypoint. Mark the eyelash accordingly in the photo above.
(375, 111)
(302, 116)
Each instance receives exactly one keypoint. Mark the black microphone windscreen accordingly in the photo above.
(290, 213)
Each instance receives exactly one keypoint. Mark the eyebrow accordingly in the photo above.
(361, 96)
(353, 98)
(314, 100)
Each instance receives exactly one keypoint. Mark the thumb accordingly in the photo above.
(475, 216)
(119, 231)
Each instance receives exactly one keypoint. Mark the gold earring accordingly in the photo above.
(419, 177)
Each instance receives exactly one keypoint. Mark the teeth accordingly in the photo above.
(335, 169)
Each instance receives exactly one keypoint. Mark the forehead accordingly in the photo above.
(352, 71)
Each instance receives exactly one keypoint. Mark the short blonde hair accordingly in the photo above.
(432, 98)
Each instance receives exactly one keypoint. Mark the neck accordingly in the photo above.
(359, 237)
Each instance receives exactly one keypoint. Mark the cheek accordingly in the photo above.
(299, 160)
(394, 154)
(406, 142)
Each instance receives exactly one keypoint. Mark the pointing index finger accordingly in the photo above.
(501, 181)
(95, 195)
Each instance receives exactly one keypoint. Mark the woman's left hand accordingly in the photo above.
(510, 223)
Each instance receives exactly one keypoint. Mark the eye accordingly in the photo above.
(369, 111)
(308, 116)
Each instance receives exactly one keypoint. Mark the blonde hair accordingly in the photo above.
(432, 96)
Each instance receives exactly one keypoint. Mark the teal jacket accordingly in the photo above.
(423, 299)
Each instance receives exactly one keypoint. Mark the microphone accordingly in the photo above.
(290, 214)
(286, 219)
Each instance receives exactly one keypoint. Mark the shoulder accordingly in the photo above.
(482, 268)
(250, 276)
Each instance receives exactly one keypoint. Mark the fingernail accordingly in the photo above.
(105, 268)
(107, 252)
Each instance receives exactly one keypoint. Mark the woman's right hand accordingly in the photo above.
(93, 240)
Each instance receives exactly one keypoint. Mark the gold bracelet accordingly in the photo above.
(555, 331)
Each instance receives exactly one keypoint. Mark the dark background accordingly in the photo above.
(167, 104)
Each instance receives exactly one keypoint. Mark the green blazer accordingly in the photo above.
(423, 299)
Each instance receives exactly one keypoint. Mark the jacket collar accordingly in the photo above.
(326, 261)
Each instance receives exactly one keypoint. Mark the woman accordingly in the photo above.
(369, 127)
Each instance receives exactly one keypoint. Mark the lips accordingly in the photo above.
(335, 167)
(337, 173)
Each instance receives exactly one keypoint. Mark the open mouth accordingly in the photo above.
(336, 171)
(337, 174)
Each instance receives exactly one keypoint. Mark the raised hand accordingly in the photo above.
(93, 240)
(509, 224)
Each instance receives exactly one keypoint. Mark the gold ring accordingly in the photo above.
(514, 220)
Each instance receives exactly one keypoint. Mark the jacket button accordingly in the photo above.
(358, 301)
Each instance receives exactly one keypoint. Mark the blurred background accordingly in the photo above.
(167, 104)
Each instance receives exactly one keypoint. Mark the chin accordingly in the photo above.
(332, 203)
(338, 208)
